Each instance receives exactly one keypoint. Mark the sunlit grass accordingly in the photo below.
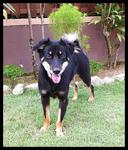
(85, 124)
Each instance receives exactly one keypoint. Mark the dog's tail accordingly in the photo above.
(72, 37)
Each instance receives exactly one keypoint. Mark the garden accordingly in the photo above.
(87, 124)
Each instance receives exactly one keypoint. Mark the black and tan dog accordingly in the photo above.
(60, 61)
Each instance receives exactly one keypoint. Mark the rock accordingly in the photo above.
(108, 80)
(19, 89)
(119, 77)
(96, 80)
(6, 89)
(32, 86)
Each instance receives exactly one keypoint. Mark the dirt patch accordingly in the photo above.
(120, 68)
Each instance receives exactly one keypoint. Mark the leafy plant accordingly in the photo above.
(68, 19)
(84, 42)
(13, 71)
(95, 67)
(112, 21)
(10, 8)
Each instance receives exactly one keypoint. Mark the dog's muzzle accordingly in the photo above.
(56, 77)
(54, 73)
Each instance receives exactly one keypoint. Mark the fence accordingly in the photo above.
(16, 48)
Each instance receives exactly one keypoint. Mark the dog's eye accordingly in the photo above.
(61, 55)
(60, 52)
(49, 55)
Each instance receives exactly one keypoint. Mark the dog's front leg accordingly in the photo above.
(46, 108)
(62, 109)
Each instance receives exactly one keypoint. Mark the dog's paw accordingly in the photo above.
(43, 129)
(40, 131)
(91, 99)
(74, 98)
(59, 132)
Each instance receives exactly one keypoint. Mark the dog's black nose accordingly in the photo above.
(56, 70)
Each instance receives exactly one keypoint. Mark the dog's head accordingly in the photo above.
(54, 56)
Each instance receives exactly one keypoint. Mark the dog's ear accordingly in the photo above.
(63, 42)
(41, 45)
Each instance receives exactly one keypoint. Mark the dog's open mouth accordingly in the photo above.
(56, 78)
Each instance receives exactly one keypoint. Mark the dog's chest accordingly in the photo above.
(53, 91)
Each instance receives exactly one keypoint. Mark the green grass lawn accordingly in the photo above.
(85, 124)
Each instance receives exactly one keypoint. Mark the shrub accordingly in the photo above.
(95, 67)
(13, 71)
(68, 19)
(113, 26)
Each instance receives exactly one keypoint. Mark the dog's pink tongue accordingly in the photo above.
(56, 78)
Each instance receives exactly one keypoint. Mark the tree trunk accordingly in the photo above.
(31, 40)
(109, 52)
(42, 18)
(115, 62)
(109, 47)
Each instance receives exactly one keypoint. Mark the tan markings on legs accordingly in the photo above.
(59, 123)
(91, 96)
(59, 131)
(61, 93)
(75, 91)
(43, 92)
(46, 119)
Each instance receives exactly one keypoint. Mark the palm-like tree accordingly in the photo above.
(10, 8)
(31, 41)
